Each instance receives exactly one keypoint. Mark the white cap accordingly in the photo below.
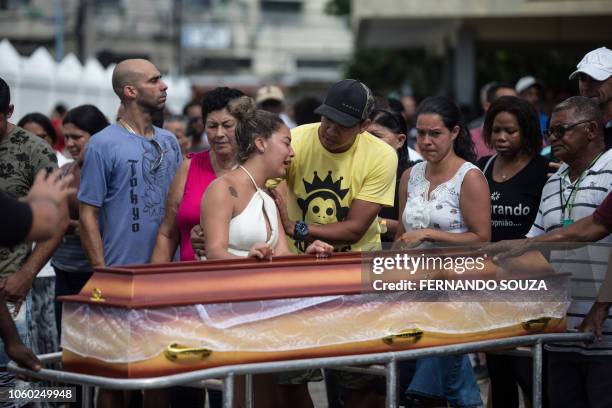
(597, 64)
(525, 83)
(270, 92)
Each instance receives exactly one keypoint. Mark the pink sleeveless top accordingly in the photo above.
(199, 176)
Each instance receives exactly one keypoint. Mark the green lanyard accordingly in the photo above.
(568, 206)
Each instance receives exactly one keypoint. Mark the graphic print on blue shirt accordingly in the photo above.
(154, 167)
(134, 196)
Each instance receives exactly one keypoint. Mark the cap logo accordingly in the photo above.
(354, 109)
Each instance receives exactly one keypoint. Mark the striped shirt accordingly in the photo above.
(588, 265)
(70, 256)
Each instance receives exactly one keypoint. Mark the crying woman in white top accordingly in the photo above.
(238, 217)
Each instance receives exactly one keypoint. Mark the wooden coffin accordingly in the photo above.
(151, 320)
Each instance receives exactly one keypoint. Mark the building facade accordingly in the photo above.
(455, 30)
(231, 42)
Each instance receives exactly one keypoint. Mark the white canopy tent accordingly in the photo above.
(38, 83)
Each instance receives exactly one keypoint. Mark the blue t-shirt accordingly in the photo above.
(127, 177)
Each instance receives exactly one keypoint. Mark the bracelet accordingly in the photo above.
(382, 224)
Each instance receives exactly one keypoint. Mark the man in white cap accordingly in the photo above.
(594, 74)
(531, 90)
(272, 99)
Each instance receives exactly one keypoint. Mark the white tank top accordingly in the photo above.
(441, 210)
(249, 227)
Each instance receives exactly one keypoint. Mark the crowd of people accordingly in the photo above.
(236, 176)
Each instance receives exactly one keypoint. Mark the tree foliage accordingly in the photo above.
(386, 70)
(340, 8)
(552, 64)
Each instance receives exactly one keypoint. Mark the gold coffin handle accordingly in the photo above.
(180, 353)
(96, 295)
(536, 324)
(411, 336)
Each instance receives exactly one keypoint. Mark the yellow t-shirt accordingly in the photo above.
(322, 185)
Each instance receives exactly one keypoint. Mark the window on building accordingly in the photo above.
(218, 64)
(281, 6)
(107, 57)
(196, 4)
(318, 63)
(107, 3)
(13, 4)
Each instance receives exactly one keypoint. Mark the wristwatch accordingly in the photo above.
(300, 232)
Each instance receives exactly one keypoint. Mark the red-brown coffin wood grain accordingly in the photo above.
(222, 281)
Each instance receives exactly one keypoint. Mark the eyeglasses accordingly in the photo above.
(160, 158)
(559, 131)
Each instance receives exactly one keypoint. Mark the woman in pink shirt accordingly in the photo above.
(195, 174)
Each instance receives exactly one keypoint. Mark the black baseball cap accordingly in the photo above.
(346, 103)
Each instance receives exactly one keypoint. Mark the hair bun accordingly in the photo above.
(242, 108)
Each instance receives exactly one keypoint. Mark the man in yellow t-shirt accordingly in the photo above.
(340, 176)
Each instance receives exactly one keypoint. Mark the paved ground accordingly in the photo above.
(317, 391)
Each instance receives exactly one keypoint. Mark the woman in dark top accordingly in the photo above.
(516, 176)
(516, 173)
(390, 127)
(72, 269)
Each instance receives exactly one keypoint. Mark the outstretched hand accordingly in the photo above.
(412, 238)
(23, 356)
(281, 204)
(261, 251)
(52, 187)
(320, 249)
(15, 288)
(197, 241)
(552, 168)
(511, 248)
(593, 321)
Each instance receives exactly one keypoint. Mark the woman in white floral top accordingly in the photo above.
(444, 199)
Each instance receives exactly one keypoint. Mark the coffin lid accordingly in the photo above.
(235, 280)
(201, 282)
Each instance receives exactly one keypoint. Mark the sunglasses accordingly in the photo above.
(559, 131)
(395, 116)
(160, 158)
